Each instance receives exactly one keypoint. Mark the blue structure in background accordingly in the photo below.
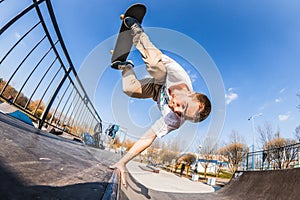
(10, 110)
(112, 130)
(21, 116)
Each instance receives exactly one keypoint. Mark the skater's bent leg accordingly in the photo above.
(130, 83)
(145, 88)
(151, 56)
(150, 53)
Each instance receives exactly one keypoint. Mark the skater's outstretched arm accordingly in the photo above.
(144, 142)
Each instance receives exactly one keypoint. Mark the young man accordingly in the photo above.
(170, 86)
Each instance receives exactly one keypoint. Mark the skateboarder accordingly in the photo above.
(169, 85)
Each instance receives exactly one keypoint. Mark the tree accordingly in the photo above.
(266, 133)
(128, 144)
(167, 156)
(21, 100)
(207, 151)
(185, 160)
(235, 151)
(169, 151)
(2, 83)
(174, 146)
(297, 133)
(11, 91)
(116, 143)
(153, 151)
(33, 104)
(274, 146)
(279, 153)
(297, 130)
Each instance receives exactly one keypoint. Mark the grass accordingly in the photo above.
(222, 174)
(225, 175)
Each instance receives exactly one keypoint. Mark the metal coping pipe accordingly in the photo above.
(112, 191)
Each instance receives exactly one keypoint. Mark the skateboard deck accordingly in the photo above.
(124, 40)
(149, 168)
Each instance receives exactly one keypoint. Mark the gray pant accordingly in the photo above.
(148, 87)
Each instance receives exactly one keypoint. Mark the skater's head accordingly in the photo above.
(194, 106)
(204, 106)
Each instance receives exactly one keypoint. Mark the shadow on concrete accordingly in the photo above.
(38, 165)
(136, 187)
(11, 187)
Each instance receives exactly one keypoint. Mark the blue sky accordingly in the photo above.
(254, 44)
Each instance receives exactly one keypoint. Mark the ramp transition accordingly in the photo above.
(277, 184)
(38, 165)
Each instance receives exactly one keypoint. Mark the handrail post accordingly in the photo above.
(47, 109)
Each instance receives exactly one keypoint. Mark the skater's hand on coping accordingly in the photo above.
(122, 170)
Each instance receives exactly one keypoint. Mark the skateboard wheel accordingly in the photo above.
(111, 51)
(122, 16)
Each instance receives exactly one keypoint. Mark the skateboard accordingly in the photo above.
(149, 168)
(124, 40)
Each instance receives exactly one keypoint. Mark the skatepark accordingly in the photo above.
(45, 109)
(43, 166)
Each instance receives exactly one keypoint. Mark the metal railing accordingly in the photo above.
(36, 72)
(284, 157)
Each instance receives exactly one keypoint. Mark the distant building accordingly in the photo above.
(212, 165)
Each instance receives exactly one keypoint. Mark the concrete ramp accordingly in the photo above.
(275, 184)
(14, 112)
(264, 185)
(39, 165)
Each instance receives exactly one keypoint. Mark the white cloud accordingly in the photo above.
(17, 35)
(263, 107)
(192, 76)
(131, 101)
(278, 100)
(282, 90)
(283, 117)
(230, 96)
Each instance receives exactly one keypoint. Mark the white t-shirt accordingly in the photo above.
(169, 121)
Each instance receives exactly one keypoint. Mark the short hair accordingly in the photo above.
(200, 116)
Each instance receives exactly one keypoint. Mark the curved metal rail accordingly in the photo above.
(37, 74)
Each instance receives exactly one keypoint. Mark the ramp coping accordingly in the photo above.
(112, 191)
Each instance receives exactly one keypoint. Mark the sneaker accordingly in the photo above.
(133, 24)
(119, 65)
